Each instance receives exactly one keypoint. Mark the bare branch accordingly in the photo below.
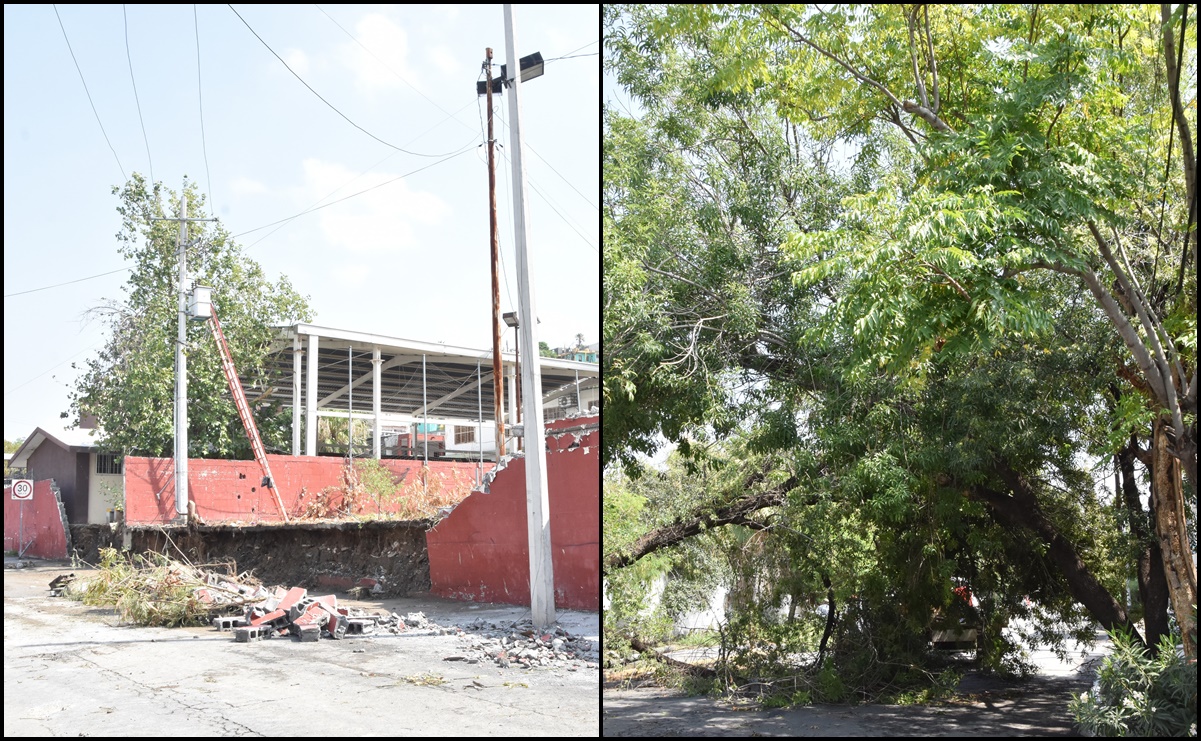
(926, 115)
(1186, 136)
(932, 61)
(1142, 356)
(917, 75)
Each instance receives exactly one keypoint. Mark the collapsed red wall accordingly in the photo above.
(231, 491)
(481, 551)
(43, 529)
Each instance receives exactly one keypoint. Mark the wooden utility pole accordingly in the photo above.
(497, 375)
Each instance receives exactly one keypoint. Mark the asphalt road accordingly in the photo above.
(984, 706)
(70, 671)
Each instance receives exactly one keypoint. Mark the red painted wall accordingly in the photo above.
(481, 551)
(230, 491)
(43, 523)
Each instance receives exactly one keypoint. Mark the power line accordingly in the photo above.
(552, 167)
(56, 285)
(135, 93)
(394, 72)
(573, 51)
(323, 100)
(575, 56)
(200, 90)
(352, 195)
(547, 200)
(89, 94)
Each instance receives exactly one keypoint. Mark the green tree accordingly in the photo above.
(11, 447)
(130, 385)
(545, 351)
(1007, 162)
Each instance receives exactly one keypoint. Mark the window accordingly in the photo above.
(109, 463)
(464, 435)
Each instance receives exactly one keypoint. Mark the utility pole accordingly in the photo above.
(181, 366)
(497, 377)
(542, 581)
(181, 360)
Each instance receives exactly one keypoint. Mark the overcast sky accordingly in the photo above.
(409, 259)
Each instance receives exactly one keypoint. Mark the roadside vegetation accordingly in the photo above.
(910, 294)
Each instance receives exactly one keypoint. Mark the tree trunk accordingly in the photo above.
(1020, 509)
(1167, 496)
(821, 649)
(1152, 585)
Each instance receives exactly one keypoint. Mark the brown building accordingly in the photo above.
(91, 481)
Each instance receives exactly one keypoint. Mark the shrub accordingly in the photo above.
(1137, 694)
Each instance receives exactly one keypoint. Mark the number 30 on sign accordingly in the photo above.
(22, 490)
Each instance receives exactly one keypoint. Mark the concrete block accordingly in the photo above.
(249, 633)
(315, 614)
(229, 622)
(294, 595)
(336, 626)
(298, 609)
(270, 618)
(308, 633)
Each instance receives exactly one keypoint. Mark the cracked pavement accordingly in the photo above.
(70, 670)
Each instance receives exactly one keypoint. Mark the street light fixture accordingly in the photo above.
(531, 67)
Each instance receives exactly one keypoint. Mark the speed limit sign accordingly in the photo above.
(22, 490)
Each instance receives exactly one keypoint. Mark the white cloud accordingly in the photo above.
(352, 275)
(297, 60)
(388, 43)
(382, 221)
(243, 186)
(446, 62)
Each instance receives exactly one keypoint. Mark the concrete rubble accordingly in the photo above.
(278, 611)
(520, 645)
(254, 612)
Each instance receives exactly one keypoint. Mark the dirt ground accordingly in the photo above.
(70, 670)
(982, 706)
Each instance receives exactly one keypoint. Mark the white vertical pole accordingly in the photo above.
(542, 580)
(375, 402)
(181, 367)
(512, 373)
(425, 427)
(310, 395)
(479, 434)
(579, 404)
(297, 380)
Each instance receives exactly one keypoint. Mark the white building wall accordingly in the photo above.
(99, 486)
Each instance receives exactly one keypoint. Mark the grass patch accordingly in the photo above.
(423, 680)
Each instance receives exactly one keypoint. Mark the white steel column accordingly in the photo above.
(181, 366)
(297, 380)
(512, 383)
(310, 417)
(542, 578)
(375, 402)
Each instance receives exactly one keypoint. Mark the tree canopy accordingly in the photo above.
(933, 269)
(130, 386)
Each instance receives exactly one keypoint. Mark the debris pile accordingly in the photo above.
(521, 645)
(152, 589)
(292, 611)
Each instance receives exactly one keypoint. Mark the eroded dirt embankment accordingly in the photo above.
(313, 555)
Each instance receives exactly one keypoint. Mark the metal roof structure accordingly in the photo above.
(418, 381)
